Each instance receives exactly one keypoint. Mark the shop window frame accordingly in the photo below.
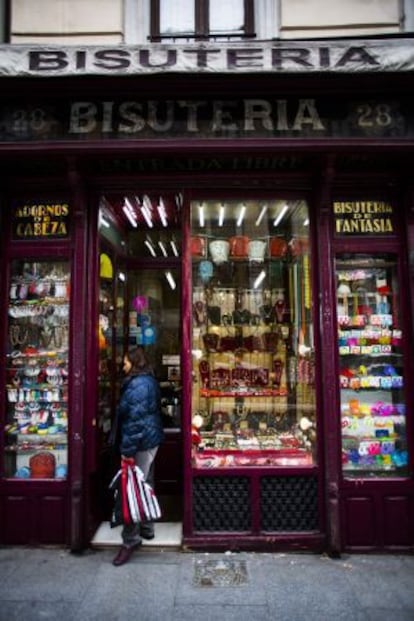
(201, 27)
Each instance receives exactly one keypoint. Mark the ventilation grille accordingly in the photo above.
(289, 503)
(221, 504)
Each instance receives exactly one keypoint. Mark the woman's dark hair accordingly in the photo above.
(139, 361)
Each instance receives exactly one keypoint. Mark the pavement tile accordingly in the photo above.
(382, 614)
(49, 575)
(136, 590)
(294, 584)
(388, 586)
(214, 612)
(37, 611)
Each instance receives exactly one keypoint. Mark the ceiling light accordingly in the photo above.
(261, 215)
(241, 215)
(259, 279)
(150, 247)
(280, 216)
(162, 212)
(174, 248)
(163, 248)
(130, 215)
(171, 280)
(221, 214)
(146, 210)
(201, 220)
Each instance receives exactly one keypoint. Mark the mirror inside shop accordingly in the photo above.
(253, 381)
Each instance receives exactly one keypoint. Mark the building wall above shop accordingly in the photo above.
(335, 18)
(128, 21)
(67, 21)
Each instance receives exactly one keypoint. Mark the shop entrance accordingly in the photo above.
(139, 303)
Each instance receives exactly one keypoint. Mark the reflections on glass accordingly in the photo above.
(154, 322)
(371, 366)
(253, 391)
(37, 370)
(152, 223)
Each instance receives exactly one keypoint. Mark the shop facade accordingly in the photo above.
(253, 229)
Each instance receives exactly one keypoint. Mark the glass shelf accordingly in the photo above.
(37, 370)
(371, 366)
(253, 397)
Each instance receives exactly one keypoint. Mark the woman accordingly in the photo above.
(140, 433)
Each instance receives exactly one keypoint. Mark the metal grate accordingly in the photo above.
(221, 504)
(289, 503)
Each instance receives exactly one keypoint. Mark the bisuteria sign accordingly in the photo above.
(125, 119)
(336, 56)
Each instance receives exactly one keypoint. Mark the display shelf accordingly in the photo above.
(371, 373)
(252, 336)
(252, 457)
(37, 367)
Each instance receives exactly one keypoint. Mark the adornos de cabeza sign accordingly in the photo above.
(38, 219)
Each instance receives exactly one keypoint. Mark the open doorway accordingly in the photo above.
(140, 304)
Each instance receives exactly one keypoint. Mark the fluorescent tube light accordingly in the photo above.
(201, 220)
(261, 215)
(150, 247)
(221, 215)
(280, 216)
(259, 279)
(130, 215)
(241, 215)
(162, 212)
(163, 248)
(174, 248)
(171, 280)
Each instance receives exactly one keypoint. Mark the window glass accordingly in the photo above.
(204, 18)
(371, 368)
(177, 17)
(154, 321)
(226, 16)
(253, 391)
(36, 431)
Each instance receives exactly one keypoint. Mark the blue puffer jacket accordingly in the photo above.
(139, 414)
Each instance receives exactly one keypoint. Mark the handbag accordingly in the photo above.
(134, 499)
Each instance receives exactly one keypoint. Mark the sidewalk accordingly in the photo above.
(170, 585)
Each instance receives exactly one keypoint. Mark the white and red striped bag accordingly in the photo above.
(137, 498)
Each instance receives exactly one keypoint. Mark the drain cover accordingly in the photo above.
(220, 573)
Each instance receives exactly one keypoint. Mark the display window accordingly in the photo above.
(253, 359)
(36, 430)
(371, 366)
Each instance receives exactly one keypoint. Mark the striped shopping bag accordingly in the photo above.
(134, 499)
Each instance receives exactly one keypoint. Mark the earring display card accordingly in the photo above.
(371, 367)
(37, 370)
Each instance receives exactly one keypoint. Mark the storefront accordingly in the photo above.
(252, 227)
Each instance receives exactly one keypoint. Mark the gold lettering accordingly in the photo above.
(363, 225)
